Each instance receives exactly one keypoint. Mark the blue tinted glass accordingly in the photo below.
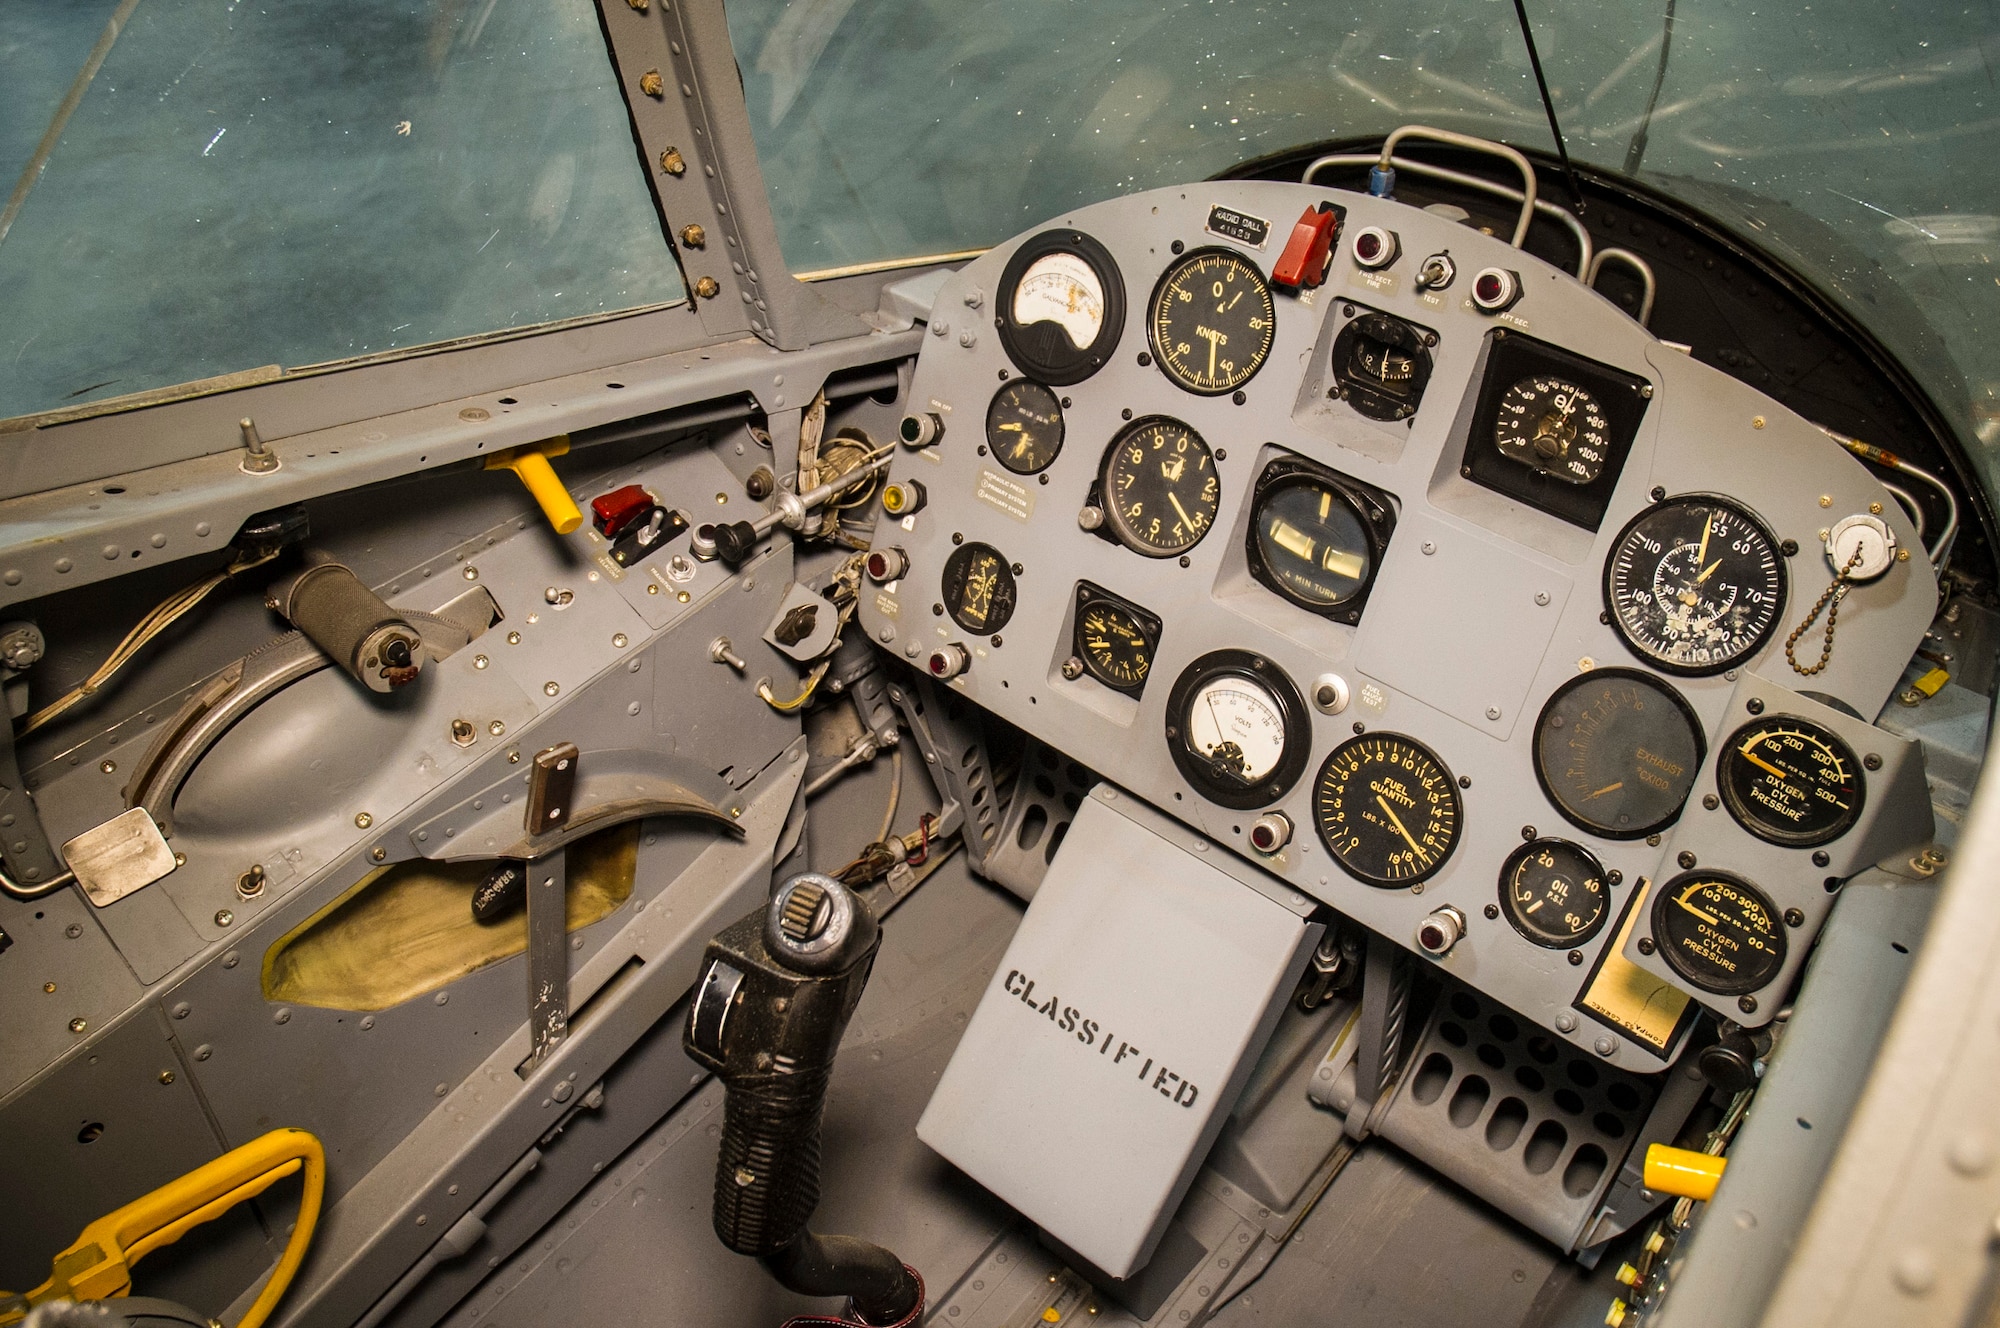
(1850, 138)
(251, 183)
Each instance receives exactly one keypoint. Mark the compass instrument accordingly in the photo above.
(1551, 428)
(1554, 893)
(1719, 932)
(1695, 585)
(1554, 426)
(1617, 751)
(1113, 641)
(979, 588)
(1024, 427)
(1237, 729)
(1061, 307)
(1213, 321)
(1790, 781)
(1160, 488)
(1381, 366)
(1317, 537)
(1387, 809)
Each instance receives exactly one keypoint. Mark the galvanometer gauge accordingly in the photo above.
(1024, 427)
(1237, 729)
(1113, 640)
(1387, 809)
(1617, 751)
(1554, 893)
(1695, 585)
(1061, 307)
(979, 588)
(1213, 321)
(1719, 932)
(1160, 488)
(1790, 781)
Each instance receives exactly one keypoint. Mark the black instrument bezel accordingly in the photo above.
(1670, 953)
(1087, 594)
(1687, 714)
(1187, 259)
(1731, 758)
(1513, 356)
(1292, 711)
(1750, 651)
(1042, 350)
(1451, 789)
(1507, 910)
(993, 446)
(955, 564)
(1374, 507)
(1359, 390)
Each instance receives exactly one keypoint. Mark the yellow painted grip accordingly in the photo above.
(1682, 1173)
(531, 463)
(99, 1264)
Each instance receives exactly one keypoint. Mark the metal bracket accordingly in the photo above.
(548, 956)
(1385, 1005)
(31, 862)
(949, 735)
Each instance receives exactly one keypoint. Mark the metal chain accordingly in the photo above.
(1829, 601)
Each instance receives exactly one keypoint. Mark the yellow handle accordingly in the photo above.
(1682, 1173)
(99, 1264)
(531, 463)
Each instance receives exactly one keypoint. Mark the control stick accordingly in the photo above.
(775, 994)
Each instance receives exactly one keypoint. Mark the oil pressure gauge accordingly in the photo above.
(1237, 729)
(1554, 893)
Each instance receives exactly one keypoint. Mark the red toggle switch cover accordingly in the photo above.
(618, 509)
(1303, 264)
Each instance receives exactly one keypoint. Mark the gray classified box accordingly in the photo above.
(1119, 1028)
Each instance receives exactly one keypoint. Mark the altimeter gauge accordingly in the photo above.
(978, 586)
(1213, 321)
(1237, 729)
(1695, 585)
(1387, 809)
(1160, 488)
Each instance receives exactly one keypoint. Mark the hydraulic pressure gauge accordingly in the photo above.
(1213, 321)
(1024, 427)
(1061, 307)
(1719, 932)
(1554, 893)
(1387, 809)
(1317, 537)
(1160, 488)
(1113, 640)
(1789, 781)
(1237, 729)
(1617, 751)
(979, 588)
(1695, 585)
(1555, 427)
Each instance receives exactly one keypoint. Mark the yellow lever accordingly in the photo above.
(531, 463)
(98, 1265)
(1683, 1173)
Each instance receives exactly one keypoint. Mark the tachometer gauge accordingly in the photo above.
(1719, 932)
(1790, 781)
(1317, 537)
(1554, 426)
(1213, 321)
(1061, 307)
(1695, 585)
(1554, 893)
(1387, 809)
(979, 588)
(1024, 427)
(1113, 641)
(1237, 729)
(1617, 751)
(1160, 489)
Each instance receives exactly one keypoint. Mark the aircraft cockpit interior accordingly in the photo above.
(799, 663)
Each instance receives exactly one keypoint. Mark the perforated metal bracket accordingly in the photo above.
(548, 956)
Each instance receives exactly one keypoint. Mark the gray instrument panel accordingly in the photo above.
(1482, 605)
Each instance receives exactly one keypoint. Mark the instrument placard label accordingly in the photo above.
(1238, 226)
(1010, 498)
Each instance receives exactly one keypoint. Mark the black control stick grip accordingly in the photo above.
(775, 993)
